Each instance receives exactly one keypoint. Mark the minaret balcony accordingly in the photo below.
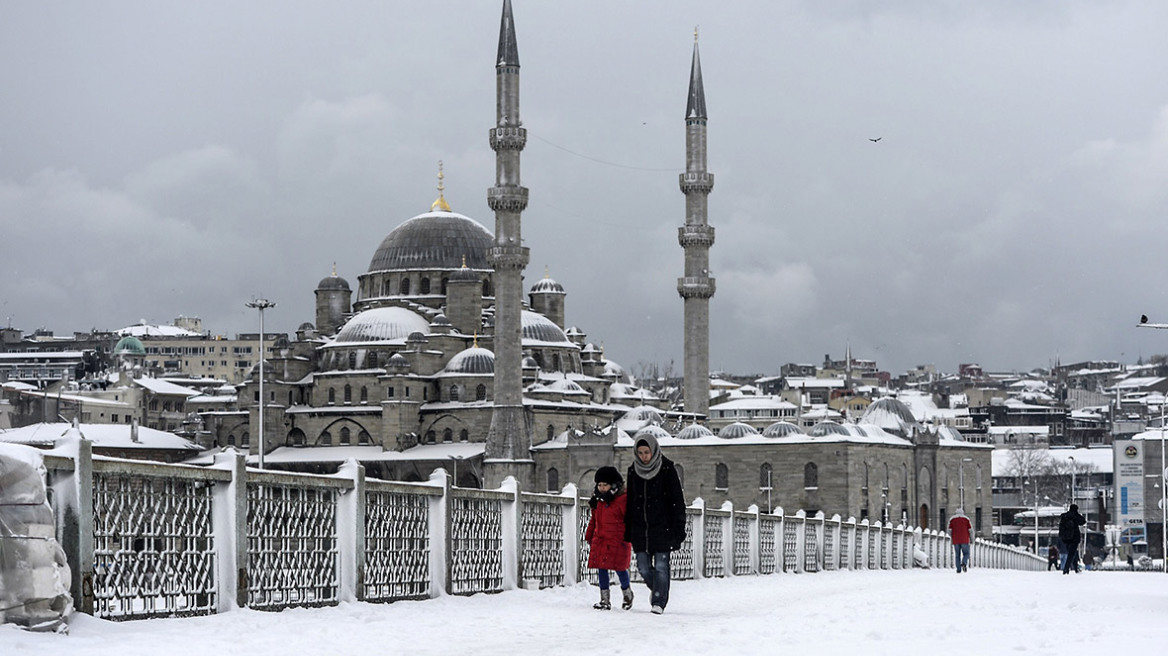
(508, 138)
(508, 198)
(700, 182)
(508, 257)
(695, 287)
(695, 235)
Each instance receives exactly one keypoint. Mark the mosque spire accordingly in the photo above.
(440, 205)
(696, 107)
(508, 46)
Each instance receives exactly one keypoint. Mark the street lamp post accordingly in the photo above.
(261, 304)
(961, 479)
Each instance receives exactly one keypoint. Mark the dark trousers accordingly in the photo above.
(1071, 549)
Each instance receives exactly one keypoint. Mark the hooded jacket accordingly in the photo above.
(655, 515)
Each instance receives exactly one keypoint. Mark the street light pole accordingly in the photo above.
(261, 304)
(961, 479)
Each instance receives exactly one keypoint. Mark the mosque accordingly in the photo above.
(436, 360)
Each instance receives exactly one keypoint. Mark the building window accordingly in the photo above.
(326, 439)
(332, 395)
(363, 437)
(448, 435)
(389, 392)
(405, 286)
(454, 392)
(431, 437)
(553, 480)
(481, 393)
(346, 436)
(425, 286)
(364, 394)
(810, 476)
(463, 435)
(765, 476)
(722, 477)
(348, 393)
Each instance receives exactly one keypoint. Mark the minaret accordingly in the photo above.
(508, 451)
(696, 237)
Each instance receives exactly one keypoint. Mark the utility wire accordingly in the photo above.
(599, 161)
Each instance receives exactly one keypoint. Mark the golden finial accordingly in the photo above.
(464, 261)
(546, 272)
(441, 203)
(695, 33)
(476, 340)
(334, 269)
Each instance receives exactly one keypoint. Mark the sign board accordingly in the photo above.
(1129, 487)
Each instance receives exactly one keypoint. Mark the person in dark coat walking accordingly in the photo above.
(655, 520)
(1069, 534)
(1052, 557)
(605, 536)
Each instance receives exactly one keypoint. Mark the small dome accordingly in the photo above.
(644, 413)
(530, 363)
(333, 283)
(781, 429)
(474, 360)
(306, 326)
(693, 432)
(547, 286)
(435, 240)
(737, 429)
(656, 431)
(890, 414)
(381, 324)
(539, 328)
(129, 345)
(825, 428)
(440, 320)
(465, 274)
(397, 360)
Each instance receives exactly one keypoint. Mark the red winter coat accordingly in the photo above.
(606, 535)
(959, 529)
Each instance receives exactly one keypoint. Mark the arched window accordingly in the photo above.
(405, 286)
(424, 288)
(454, 392)
(231, 440)
(363, 437)
(448, 435)
(326, 439)
(553, 480)
(352, 359)
(979, 477)
(295, 437)
(364, 394)
(810, 475)
(551, 431)
(348, 393)
(722, 476)
(765, 476)
(463, 435)
(245, 439)
(481, 392)
(332, 395)
(431, 437)
(289, 397)
(345, 436)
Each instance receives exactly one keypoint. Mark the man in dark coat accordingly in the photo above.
(1069, 534)
(655, 519)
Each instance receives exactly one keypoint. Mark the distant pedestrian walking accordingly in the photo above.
(655, 521)
(1052, 557)
(1069, 535)
(960, 531)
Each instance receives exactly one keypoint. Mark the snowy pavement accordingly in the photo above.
(889, 612)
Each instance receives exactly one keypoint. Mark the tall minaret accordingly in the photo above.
(508, 451)
(696, 237)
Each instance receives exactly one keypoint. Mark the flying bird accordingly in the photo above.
(875, 140)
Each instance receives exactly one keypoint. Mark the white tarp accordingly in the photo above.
(34, 574)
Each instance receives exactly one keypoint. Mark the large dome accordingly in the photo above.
(381, 324)
(539, 328)
(890, 414)
(435, 240)
(474, 360)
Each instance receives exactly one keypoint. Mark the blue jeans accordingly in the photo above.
(654, 569)
(1072, 551)
(961, 555)
(623, 575)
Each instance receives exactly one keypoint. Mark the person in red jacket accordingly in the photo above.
(959, 533)
(606, 536)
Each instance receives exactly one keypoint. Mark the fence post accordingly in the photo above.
(229, 526)
(440, 515)
(728, 539)
(572, 537)
(511, 531)
(699, 538)
(780, 537)
(754, 540)
(351, 533)
(800, 540)
(73, 496)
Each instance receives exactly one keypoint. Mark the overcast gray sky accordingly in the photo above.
(160, 159)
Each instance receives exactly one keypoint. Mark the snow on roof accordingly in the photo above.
(159, 386)
(1018, 430)
(754, 403)
(1138, 383)
(148, 330)
(422, 452)
(110, 436)
(804, 382)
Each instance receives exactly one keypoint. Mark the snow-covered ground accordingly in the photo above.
(897, 613)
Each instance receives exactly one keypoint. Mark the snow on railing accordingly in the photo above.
(151, 540)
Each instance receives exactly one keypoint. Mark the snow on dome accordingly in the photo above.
(547, 286)
(566, 386)
(539, 328)
(656, 431)
(950, 433)
(333, 283)
(644, 413)
(825, 428)
(614, 370)
(474, 360)
(397, 360)
(737, 429)
(440, 320)
(434, 240)
(890, 414)
(382, 324)
(781, 429)
(129, 345)
(693, 432)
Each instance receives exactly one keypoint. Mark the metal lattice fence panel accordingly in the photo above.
(153, 551)
(791, 544)
(476, 544)
(830, 535)
(873, 543)
(291, 546)
(895, 539)
(542, 533)
(681, 562)
(845, 546)
(715, 547)
(810, 547)
(397, 546)
(766, 544)
(885, 538)
(742, 563)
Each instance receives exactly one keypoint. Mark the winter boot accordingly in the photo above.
(627, 593)
(603, 604)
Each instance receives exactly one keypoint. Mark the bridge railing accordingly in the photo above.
(153, 540)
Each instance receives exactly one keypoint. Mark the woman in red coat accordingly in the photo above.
(606, 536)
